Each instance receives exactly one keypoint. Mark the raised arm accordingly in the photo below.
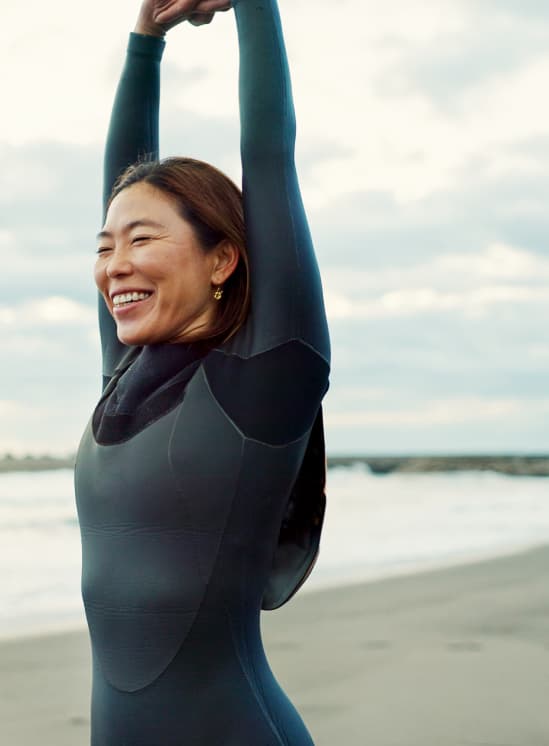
(287, 300)
(271, 376)
(133, 129)
(133, 134)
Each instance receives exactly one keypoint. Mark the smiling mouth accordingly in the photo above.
(131, 297)
(129, 301)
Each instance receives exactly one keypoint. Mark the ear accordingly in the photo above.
(226, 257)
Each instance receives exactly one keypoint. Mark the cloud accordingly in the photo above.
(496, 262)
(51, 311)
(448, 425)
(214, 139)
(499, 198)
(447, 411)
(424, 162)
(472, 285)
(430, 301)
(493, 41)
(525, 10)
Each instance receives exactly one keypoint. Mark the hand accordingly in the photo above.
(206, 9)
(158, 16)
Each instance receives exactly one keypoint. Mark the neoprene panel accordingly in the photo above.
(200, 476)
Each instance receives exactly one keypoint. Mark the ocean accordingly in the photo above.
(375, 527)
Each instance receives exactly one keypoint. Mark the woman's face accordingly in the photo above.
(148, 252)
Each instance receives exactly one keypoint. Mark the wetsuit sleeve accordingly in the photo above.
(132, 134)
(276, 368)
(287, 298)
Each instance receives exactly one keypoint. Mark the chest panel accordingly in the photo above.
(152, 511)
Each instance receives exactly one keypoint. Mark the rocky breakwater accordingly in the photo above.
(518, 465)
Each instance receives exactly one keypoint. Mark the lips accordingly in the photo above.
(127, 307)
(127, 291)
(123, 298)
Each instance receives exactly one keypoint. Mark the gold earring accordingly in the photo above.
(218, 293)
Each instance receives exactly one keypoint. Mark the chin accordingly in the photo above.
(135, 338)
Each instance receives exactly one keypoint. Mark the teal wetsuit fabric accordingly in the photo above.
(194, 474)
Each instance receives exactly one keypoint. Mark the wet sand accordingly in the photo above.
(453, 657)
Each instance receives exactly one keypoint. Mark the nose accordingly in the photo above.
(118, 264)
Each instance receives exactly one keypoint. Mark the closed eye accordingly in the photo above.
(136, 239)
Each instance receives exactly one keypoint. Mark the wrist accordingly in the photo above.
(149, 29)
(146, 45)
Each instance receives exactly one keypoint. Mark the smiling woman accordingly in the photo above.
(166, 266)
(200, 476)
(196, 242)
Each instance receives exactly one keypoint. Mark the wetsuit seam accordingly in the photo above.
(133, 435)
(221, 532)
(144, 45)
(276, 723)
(159, 530)
(123, 611)
(195, 553)
(175, 480)
(276, 345)
(280, 730)
(178, 400)
(206, 582)
(287, 157)
(259, 698)
(244, 668)
(244, 437)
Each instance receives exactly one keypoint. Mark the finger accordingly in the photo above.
(170, 21)
(175, 11)
(201, 19)
(212, 6)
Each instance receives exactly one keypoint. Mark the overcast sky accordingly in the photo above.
(423, 153)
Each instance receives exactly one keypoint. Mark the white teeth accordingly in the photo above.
(129, 297)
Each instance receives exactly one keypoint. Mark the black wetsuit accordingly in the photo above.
(199, 478)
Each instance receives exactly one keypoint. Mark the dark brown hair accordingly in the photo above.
(212, 204)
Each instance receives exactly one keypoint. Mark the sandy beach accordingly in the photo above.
(453, 657)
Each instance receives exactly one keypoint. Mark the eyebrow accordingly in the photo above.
(129, 226)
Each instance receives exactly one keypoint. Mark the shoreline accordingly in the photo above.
(22, 629)
(535, 465)
(452, 656)
(509, 464)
